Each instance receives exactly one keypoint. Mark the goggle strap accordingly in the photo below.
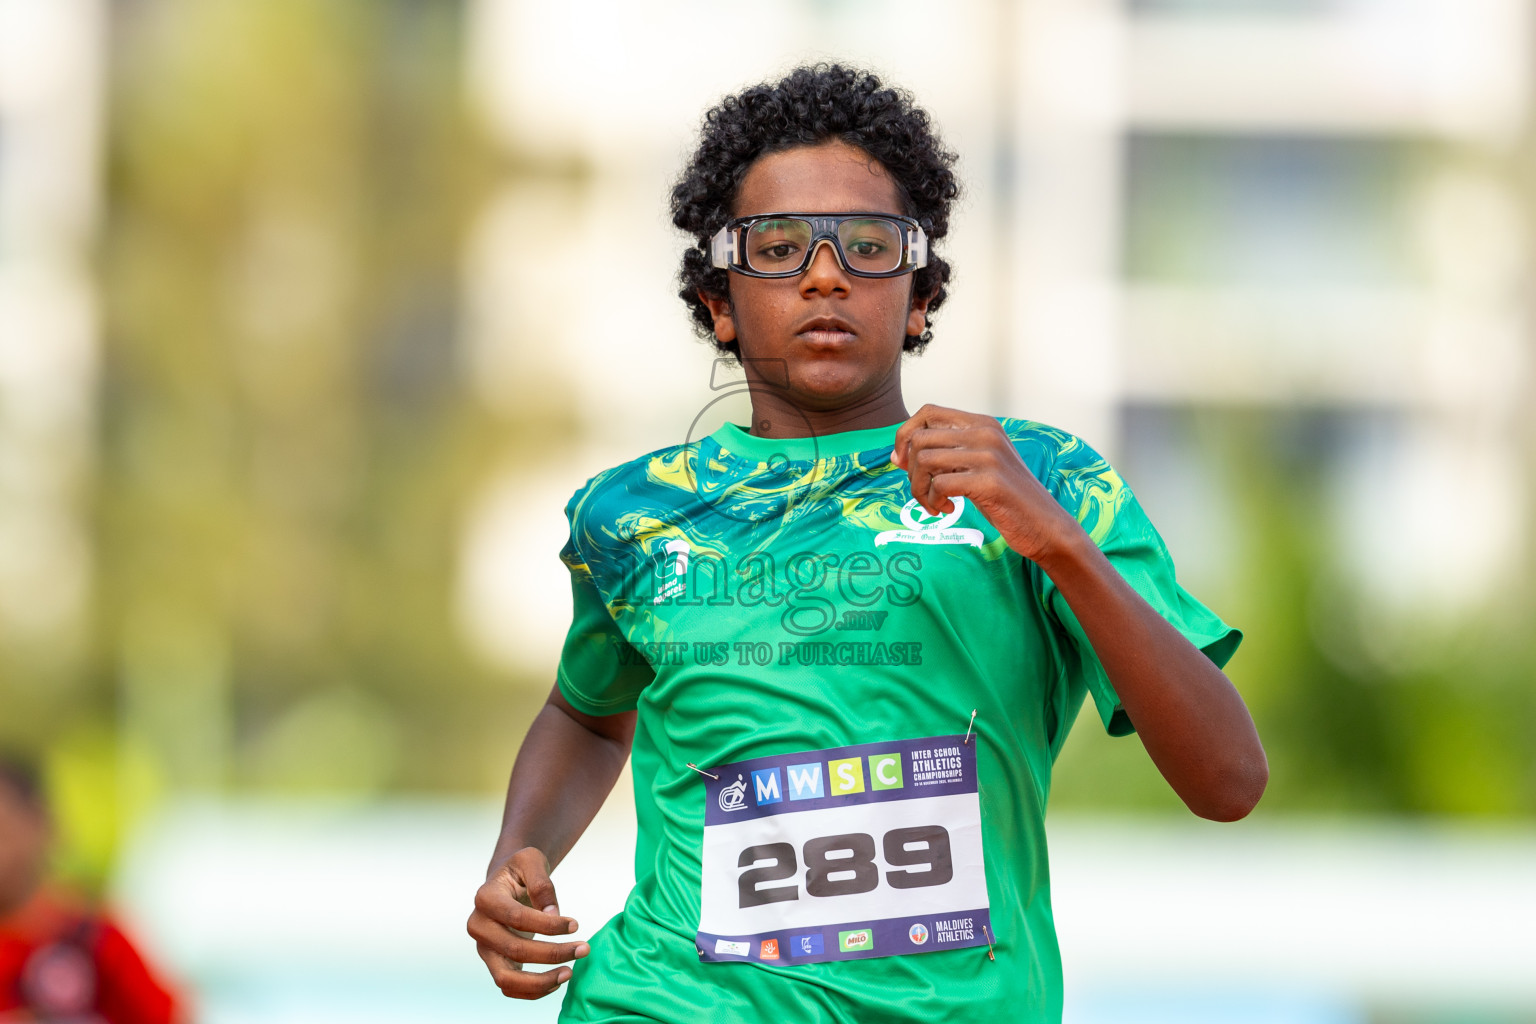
(722, 248)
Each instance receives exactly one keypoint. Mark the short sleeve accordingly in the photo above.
(1108, 510)
(600, 671)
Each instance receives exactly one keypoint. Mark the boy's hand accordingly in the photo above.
(505, 919)
(947, 452)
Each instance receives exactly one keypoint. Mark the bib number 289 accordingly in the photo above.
(844, 865)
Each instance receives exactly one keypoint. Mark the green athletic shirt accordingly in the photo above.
(784, 617)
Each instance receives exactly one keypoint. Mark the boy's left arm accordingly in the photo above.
(1188, 714)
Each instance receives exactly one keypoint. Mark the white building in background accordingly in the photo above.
(1361, 251)
(51, 67)
(1170, 203)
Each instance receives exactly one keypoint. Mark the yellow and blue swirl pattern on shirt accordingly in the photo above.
(751, 597)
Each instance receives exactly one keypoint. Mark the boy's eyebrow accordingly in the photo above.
(769, 214)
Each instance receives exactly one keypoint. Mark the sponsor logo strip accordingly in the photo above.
(852, 941)
(840, 777)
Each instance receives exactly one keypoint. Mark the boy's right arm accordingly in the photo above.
(564, 770)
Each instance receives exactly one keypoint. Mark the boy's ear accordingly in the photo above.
(720, 310)
(917, 316)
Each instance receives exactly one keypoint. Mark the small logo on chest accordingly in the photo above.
(672, 570)
(923, 528)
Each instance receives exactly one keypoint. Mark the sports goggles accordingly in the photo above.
(781, 244)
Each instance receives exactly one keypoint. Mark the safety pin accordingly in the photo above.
(701, 771)
(969, 727)
(988, 934)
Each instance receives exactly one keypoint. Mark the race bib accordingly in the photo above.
(844, 854)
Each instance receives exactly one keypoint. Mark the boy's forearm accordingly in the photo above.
(1189, 716)
(563, 773)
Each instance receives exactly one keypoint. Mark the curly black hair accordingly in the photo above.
(811, 105)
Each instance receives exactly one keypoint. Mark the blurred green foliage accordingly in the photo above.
(285, 452)
(1440, 730)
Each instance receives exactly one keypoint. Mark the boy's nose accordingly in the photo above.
(825, 274)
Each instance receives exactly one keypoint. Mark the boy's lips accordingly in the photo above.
(827, 330)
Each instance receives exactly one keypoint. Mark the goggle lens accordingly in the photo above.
(872, 245)
(774, 246)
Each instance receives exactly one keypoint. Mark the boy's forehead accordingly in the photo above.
(832, 177)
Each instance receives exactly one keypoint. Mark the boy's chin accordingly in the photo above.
(827, 388)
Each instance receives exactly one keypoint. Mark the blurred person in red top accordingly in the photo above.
(59, 961)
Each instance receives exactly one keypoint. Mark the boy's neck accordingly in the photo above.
(773, 416)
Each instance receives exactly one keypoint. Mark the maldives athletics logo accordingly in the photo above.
(734, 796)
(923, 528)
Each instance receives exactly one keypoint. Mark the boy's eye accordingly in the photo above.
(778, 250)
(874, 244)
(777, 242)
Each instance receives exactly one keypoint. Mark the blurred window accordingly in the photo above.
(1217, 480)
(1238, 7)
(1270, 211)
(3, 153)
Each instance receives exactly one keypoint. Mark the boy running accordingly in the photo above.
(844, 644)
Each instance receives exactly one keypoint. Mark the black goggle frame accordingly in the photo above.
(726, 250)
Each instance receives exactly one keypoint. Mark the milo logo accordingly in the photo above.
(849, 942)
